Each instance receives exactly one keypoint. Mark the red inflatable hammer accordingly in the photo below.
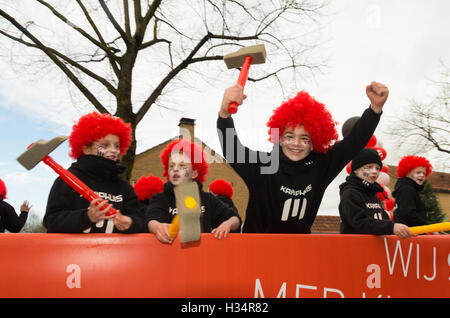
(255, 54)
(39, 151)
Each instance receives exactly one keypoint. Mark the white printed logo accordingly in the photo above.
(295, 209)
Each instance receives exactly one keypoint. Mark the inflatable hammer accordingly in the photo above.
(255, 54)
(187, 221)
(436, 227)
(39, 151)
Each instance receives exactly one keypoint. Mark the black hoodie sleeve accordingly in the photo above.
(353, 214)
(407, 203)
(59, 217)
(157, 210)
(132, 208)
(242, 159)
(10, 220)
(221, 212)
(344, 151)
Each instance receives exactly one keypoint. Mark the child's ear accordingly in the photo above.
(194, 174)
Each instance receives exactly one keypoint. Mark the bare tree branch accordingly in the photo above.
(55, 60)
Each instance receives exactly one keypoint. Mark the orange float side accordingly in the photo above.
(242, 265)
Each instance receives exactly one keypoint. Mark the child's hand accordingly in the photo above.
(161, 231)
(122, 222)
(222, 230)
(96, 213)
(232, 94)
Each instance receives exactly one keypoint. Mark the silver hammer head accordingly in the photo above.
(37, 151)
(236, 59)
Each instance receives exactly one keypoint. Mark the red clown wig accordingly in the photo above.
(92, 127)
(2, 190)
(146, 187)
(221, 187)
(193, 151)
(407, 163)
(313, 115)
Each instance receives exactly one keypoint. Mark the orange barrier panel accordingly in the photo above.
(242, 265)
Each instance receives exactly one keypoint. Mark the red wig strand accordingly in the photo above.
(407, 163)
(146, 187)
(3, 190)
(92, 127)
(193, 151)
(221, 187)
(313, 115)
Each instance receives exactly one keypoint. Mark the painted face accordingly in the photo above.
(296, 143)
(368, 172)
(418, 174)
(107, 147)
(180, 169)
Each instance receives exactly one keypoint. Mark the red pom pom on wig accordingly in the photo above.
(407, 163)
(3, 190)
(92, 127)
(193, 151)
(313, 115)
(221, 187)
(146, 187)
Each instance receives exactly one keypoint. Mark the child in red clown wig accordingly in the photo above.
(97, 142)
(8, 216)
(412, 172)
(185, 161)
(286, 186)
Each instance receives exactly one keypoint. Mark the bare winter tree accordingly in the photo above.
(100, 46)
(425, 126)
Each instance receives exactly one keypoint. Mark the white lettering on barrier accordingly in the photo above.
(74, 279)
(374, 279)
(405, 267)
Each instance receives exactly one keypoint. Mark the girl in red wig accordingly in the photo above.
(185, 161)
(412, 172)
(286, 186)
(97, 143)
(8, 216)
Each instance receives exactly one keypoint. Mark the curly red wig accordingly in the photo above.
(221, 187)
(146, 187)
(3, 190)
(407, 163)
(313, 115)
(193, 151)
(92, 127)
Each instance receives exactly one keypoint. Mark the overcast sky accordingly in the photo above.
(399, 43)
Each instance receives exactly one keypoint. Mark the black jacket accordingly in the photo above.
(67, 210)
(9, 219)
(361, 210)
(409, 208)
(287, 200)
(162, 208)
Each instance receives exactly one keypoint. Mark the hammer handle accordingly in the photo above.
(75, 183)
(437, 227)
(174, 227)
(243, 75)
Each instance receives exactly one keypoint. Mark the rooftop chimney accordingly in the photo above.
(187, 128)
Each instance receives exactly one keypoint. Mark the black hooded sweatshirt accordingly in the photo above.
(287, 200)
(409, 208)
(162, 208)
(67, 210)
(9, 219)
(361, 210)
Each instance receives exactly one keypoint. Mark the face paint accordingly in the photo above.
(296, 143)
(106, 147)
(180, 169)
(368, 172)
(418, 174)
